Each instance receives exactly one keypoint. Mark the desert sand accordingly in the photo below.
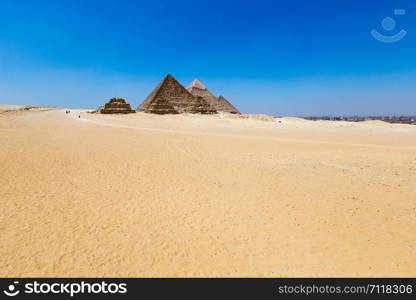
(189, 195)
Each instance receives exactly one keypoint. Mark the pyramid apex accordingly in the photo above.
(197, 84)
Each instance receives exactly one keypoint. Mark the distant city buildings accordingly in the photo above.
(388, 119)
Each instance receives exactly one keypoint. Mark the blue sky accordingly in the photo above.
(277, 57)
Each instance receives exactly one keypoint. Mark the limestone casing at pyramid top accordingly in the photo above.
(197, 84)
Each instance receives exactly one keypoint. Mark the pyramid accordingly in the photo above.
(116, 106)
(219, 104)
(225, 106)
(170, 97)
(199, 90)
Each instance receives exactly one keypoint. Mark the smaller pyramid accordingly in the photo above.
(225, 106)
(116, 106)
(170, 97)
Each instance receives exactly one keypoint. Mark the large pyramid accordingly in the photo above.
(198, 89)
(170, 97)
(115, 106)
(219, 104)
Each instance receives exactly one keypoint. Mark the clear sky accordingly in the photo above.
(293, 57)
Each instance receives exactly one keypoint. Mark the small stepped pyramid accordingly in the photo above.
(116, 106)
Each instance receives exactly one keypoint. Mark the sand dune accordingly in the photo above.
(190, 195)
(5, 108)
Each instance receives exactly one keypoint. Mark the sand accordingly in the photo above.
(188, 195)
(5, 107)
